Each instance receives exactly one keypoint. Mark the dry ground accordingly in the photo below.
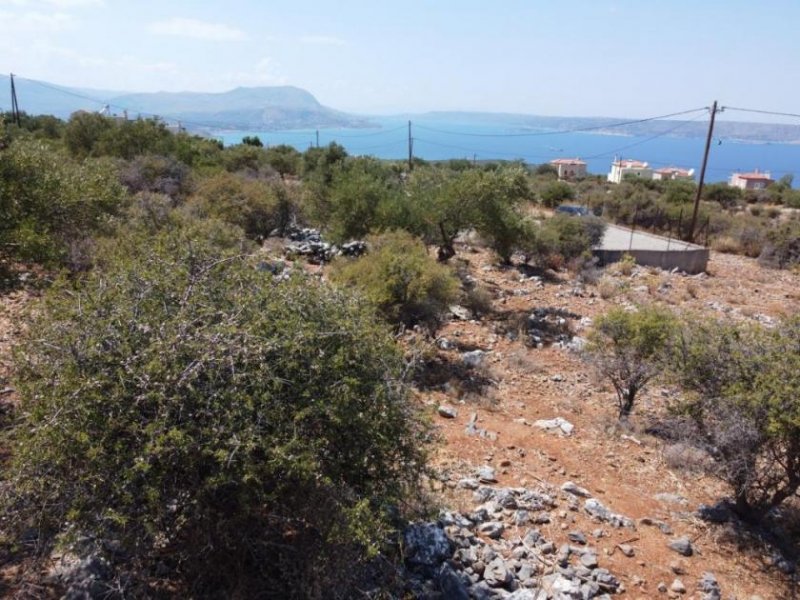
(624, 468)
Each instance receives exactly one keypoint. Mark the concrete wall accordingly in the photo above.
(690, 261)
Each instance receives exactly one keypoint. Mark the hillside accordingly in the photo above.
(257, 108)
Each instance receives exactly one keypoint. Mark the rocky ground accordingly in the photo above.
(546, 495)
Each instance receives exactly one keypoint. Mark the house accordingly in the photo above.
(750, 181)
(569, 168)
(668, 173)
(622, 168)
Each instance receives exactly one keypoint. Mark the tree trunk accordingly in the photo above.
(446, 250)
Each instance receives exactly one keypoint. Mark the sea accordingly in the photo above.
(434, 138)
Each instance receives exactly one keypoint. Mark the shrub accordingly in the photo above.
(556, 192)
(255, 205)
(157, 174)
(568, 237)
(626, 265)
(52, 205)
(243, 431)
(401, 279)
(744, 382)
(629, 349)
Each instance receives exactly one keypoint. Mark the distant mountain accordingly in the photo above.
(280, 108)
(254, 109)
(734, 130)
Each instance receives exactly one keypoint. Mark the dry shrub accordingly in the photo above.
(626, 265)
(692, 289)
(726, 245)
(685, 457)
(607, 288)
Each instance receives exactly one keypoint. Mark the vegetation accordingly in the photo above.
(399, 277)
(630, 349)
(180, 399)
(744, 407)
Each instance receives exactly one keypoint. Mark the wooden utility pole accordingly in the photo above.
(317, 138)
(410, 148)
(14, 102)
(702, 172)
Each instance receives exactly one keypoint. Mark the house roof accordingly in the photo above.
(675, 171)
(753, 176)
(567, 161)
(631, 164)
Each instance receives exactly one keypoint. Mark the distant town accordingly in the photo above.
(621, 169)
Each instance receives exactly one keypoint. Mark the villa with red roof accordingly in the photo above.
(750, 181)
(673, 173)
(622, 168)
(569, 168)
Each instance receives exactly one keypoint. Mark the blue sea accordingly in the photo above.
(437, 139)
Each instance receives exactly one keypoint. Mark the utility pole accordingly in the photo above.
(702, 172)
(410, 148)
(14, 102)
(317, 138)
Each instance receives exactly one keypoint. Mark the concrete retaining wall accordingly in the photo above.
(691, 260)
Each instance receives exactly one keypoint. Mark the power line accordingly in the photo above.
(560, 131)
(762, 112)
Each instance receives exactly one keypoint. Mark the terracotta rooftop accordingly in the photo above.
(676, 170)
(567, 161)
(754, 176)
(631, 164)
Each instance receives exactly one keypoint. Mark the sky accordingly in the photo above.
(582, 58)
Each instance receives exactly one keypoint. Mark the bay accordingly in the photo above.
(441, 139)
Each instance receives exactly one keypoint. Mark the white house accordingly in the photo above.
(569, 168)
(622, 168)
(750, 181)
(673, 173)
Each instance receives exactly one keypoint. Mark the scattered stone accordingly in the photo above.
(497, 574)
(718, 513)
(678, 567)
(426, 544)
(678, 587)
(596, 509)
(486, 474)
(447, 411)
(492, 529)
(662, 587)
(444, 344)
(670, 498)
(589, 560)
(468, 483)
(451, 584)
(682, 546)
(575, 490)
(461, 313)
(577, 537)
(557, 424)
(627, 550)
(709, 585)
(473, 359)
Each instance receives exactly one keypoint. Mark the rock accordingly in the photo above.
(575, 490)
(678, 587)
(541, 519)
(497, 574)
(596, 509)
(682, 546)
(557, 424)
(354, 248)
(670, 498)
(473, 359)
(709, 585)
(486, 474)
(589, 560)
(626, 549)
(444, 344)
(577, 537)
(521, 517)
(505, 498)
(492, 529)
(468, 483)
(447, 411)
(461, 313)
(426, 545)
(451, 584)
(677, 567)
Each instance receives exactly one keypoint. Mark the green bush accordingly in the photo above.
(557, 192)
(53, 206)
(255, 205)
(401, 279)
(743, 384)
(243, 432)
(630, 349)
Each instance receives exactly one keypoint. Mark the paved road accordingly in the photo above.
(619, 238)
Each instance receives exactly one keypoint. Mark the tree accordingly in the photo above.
(630, 348)
(284, 159)
(744, 403)
(557, 192)
(180, 402)
(253, 140)
(83, 132)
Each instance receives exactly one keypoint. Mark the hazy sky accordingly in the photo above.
(585, 57)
